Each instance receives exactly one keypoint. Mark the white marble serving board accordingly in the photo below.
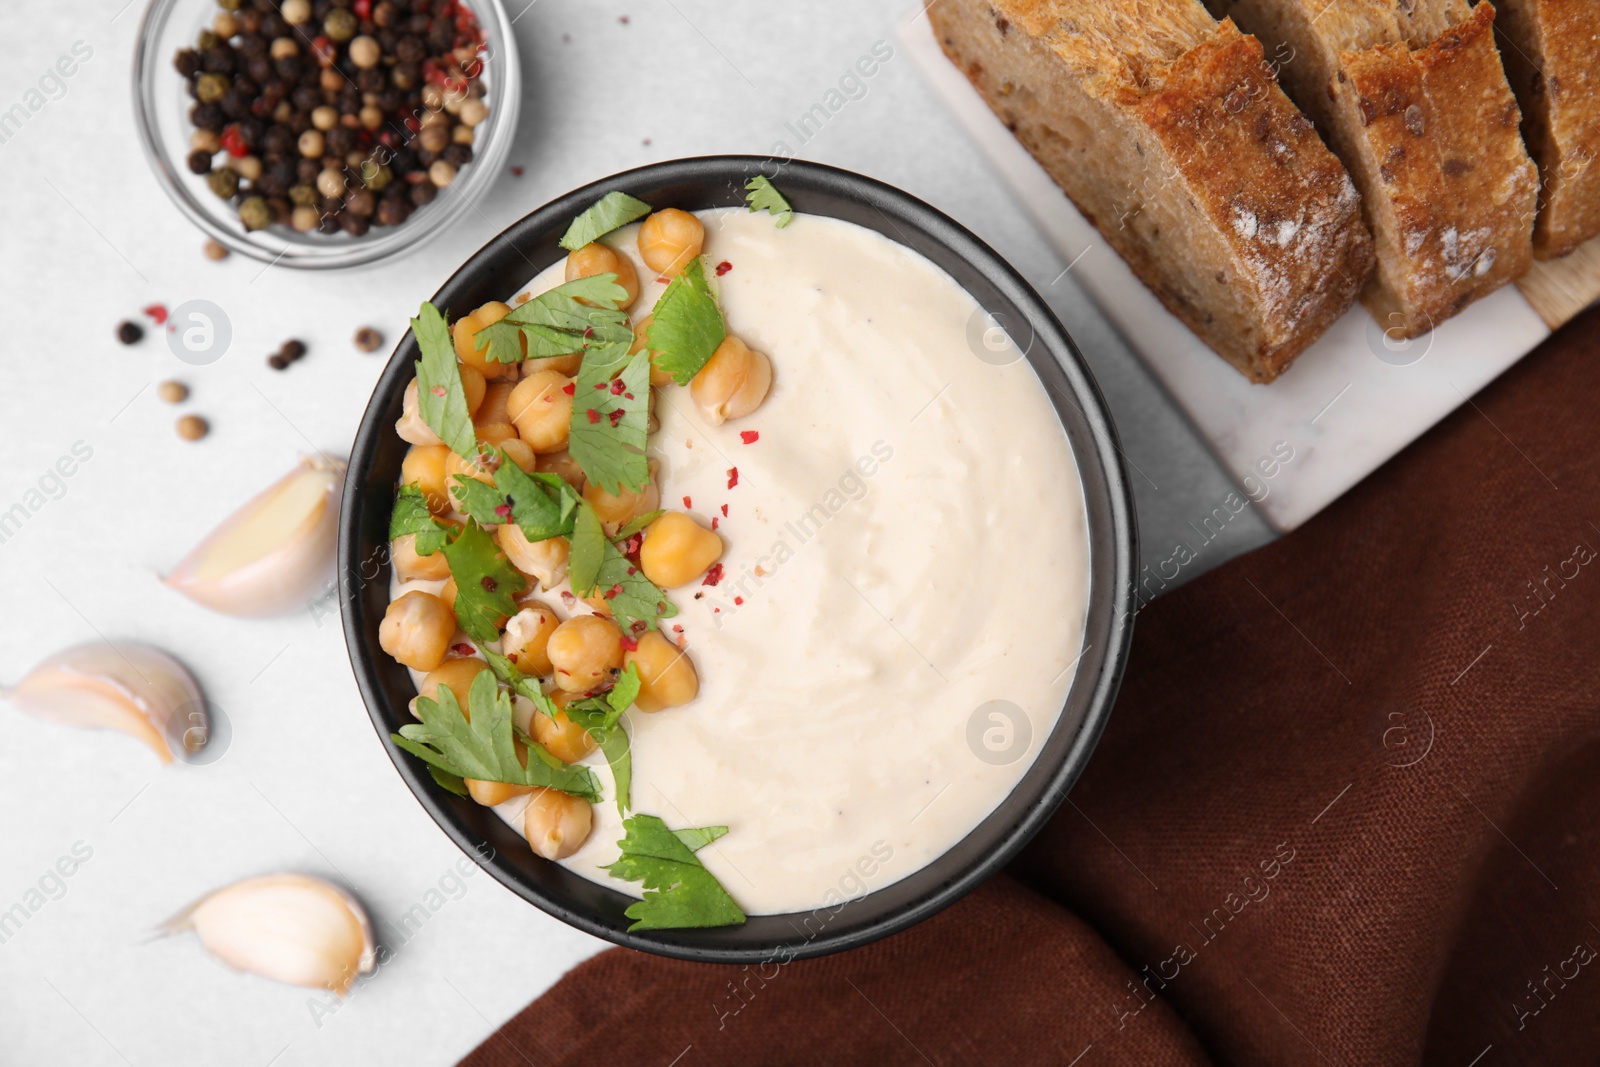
(1350, 401)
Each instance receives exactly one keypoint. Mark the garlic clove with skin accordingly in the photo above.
(274, 555)
(139, 690)
(291, 928)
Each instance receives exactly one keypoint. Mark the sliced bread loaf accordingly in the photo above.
(1171, 135)
(1412, 96)
(1551, 50)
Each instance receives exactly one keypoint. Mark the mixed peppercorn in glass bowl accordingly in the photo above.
(325, 133)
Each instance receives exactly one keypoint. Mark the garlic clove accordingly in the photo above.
(139, 690)
(288, 927)
(275, 554)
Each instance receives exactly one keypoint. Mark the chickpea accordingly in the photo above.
(461, 466)
(455, 675)
(416, 630)
(561, 737)
(620, 507)
(641, 337)
(412, 567)
(667, 676)
(496, 433)
(677, 550)
(556, 824)
(424, 467)
(541, 410)
(584, 651)
(596, 258)
(494, 409)
(546, 560)
(563, 466)
(601, 606)
(567, 365)
(521, 453)
(733, 383)
(465, 333)
(491, 793)
(527, 639)
(669, 240)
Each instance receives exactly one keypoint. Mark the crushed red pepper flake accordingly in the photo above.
(749, 437)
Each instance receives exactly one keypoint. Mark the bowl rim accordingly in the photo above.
(505, 92)
(1113, 596)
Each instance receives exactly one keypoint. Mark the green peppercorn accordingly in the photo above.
(255, 214)
(211, 88)
(341, 24)
(207, 40)
(223, 182)
(303, 195)
(375, 177)
(230, 5)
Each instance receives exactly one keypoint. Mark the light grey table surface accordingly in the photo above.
(87, 239)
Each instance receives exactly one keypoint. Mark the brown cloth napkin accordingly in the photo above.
(1345, 813)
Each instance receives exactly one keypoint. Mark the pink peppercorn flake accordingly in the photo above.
(516, 172)
(723, 268)
(713, 576)
(489, 584)
(749, 437)
(738, 600)
(724, 511)
(504, 511)
(617, 386)
(571, 388)
(437, 390)
(688, 502)
(568, 599)
(461, 648)
(713, 522)
(629, 644)
(157, 313)
(594, 416)
(733, 480)
(616, 416)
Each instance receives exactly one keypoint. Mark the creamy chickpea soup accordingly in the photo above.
(836, 612)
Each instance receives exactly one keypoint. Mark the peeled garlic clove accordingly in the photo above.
(288, 927)
(274, 555)
(139, 690)
(410, 426)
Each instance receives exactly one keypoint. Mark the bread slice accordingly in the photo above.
(1551, 50)
(1412, 96)
(1171, 135)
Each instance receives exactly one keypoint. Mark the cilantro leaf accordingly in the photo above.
(520, 683)
(610, 418)
(441, 399)
(411, 516)
(450, 783)
(633, 526)
(560, 322)
(540, 503)
(688, 325)
(679, 892)
(485, 583)
(761, 195)
(601, 716)
(611, 211)
(483, 746)
(588, 550)
(633, 598)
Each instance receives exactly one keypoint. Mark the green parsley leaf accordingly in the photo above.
(601, 716)
(762, 196)
(559, 323)
(441, 399)
(520, 683)
(688, 325)
(610, 423)
(632, 597)
(486, 583)
(483, 747)
(633, 526)
(588, 550)
(411, 516)
(450, 783)
(679, 892)
(614, 210)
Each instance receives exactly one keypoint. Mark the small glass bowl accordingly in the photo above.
(161, 115)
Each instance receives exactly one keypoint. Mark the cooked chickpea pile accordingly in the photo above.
(525, 410)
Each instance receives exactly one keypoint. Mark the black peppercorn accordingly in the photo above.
(282, 210)
(306, 171)
(279, 140)
(252, 130)
(404, 161)
(340, 141)
(292, 350)
(442, 37)
(458, 155)
(423, 193)
(208, 117)
(277, 362)
(361, 202)
(260, 68)
(250, 21)
(199, 162)
(290, 68)
(353, 224)
(187, 62)
(217, 60)
(306, 97)
(272, 25)
(235, 104)
(130, 333)
(392, 211)
(328, 224)
(411, 49)
(371, 80)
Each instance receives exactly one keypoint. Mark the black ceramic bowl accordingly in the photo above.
(502, 268)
